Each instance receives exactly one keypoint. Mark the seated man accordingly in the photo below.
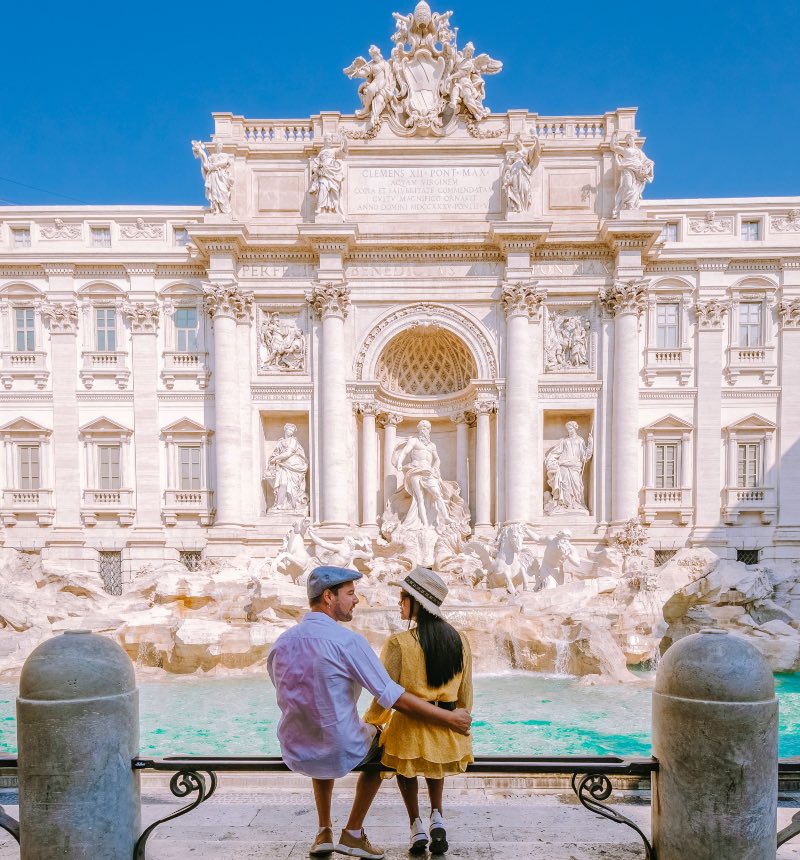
(318, 668)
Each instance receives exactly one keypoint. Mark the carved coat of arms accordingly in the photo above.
(427, 81)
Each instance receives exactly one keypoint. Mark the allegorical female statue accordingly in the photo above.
(327, 174)
(218, 176)
(564, 467)
(634, 170)
(286, 472)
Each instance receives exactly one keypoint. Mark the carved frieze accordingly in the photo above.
(524, 298)
(61, 316)
(60, 230)
(711, 224)
(140, 229)
(282, 345)
(330, 300)
(624, 297)
(228, 300)
(789, 223)
(711, 314)
(567, 342)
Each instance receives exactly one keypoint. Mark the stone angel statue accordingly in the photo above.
(327, 175)
(379, 83)
(634, 170)
(517, 172)
(466, 84)
(217, 170)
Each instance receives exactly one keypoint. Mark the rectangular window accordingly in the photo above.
(106, 329)
(110, 476)
(111, 571)
(21, 237)
(101, 237)
(750, 324)
(189, 465)
(748, 556)
(186, 329)
(29, 473)
(181, 237)
(666, 466)
(669, 232)
(667, 325)
(748, 473)
(751, 231)
(25, 330)
(191, 559)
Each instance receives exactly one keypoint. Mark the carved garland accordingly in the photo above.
(427, 310)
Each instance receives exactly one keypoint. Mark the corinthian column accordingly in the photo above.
(389, 422)
(226, 304)
(331, 303)
(369, 463)
(462, 420)
(522, 303)
(483, 463)
(788, 531)
(625, 301)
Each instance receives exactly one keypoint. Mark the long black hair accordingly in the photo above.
(440, 643)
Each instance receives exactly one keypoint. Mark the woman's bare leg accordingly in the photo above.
(410, 793)
(435, 792)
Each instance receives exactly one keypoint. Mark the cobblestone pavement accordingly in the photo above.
(243, 823)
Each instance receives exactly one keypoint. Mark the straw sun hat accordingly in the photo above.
(426, 587)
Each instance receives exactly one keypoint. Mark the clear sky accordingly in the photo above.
(100, 100)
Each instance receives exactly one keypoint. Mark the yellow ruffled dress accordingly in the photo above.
(411, 747)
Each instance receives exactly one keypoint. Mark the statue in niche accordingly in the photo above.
(558, 552)
(344, 552)
(564, 466)
(286, 472)
(634, 170)
(218, 176)
(379, 85)
(284, 346)
(517, 172)
(327, 175)
(422, 479)
(567, 342)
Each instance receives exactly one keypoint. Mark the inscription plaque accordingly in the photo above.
(428, 189)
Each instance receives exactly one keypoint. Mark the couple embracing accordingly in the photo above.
(417, 725)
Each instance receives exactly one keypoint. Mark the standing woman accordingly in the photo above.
(433, 661)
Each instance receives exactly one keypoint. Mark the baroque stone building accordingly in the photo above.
(186, 380)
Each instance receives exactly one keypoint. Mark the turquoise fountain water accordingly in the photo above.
(515, 714)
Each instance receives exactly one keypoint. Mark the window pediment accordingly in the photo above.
(104, 427)
(186, 427)
(752, 423)
(24, 427)
(669, 424)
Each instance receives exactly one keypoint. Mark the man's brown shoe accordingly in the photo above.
(323, 844)
(359, 846)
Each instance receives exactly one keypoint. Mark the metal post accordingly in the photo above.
(78, 731)
(715, 735)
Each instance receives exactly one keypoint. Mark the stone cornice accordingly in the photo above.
(518, 235)
(295, 391)
(54, 270)
(625, 233)
(141, 269)
(329, 299)
(328, 238)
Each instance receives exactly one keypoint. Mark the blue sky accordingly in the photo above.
(100, 100)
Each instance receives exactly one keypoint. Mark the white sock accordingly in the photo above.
(436, 817)
(356, 834)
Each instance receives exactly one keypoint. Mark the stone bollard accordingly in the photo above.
(715, 735)
(78, 729)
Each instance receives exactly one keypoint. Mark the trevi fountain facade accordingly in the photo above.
(420, 333)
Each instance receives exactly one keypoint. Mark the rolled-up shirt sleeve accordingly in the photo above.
(365, 668)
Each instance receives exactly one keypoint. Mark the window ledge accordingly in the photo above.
(668, 361)
(193, 503)
(751, 359)
(760, 500)
(100, 365)
(185, 365)
(117, 503)
(20, 365)
(670, 501)
(37, 503)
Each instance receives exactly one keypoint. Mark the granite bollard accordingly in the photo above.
(715, 735)
(78, 729)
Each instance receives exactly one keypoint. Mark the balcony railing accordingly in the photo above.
(36, 503)
(675, 361)
(751, 359)
(98, 365)
(194, 503)
(677, 500)
(760, 500)
(118, 503)
(185, 365)
(20, 365)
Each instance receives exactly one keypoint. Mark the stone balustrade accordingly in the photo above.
(20, 365)
(739, 500)
(36, 503)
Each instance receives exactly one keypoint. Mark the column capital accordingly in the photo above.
(228, 300)
(624, 297)
(387, 419)
(62, 317)
(711, 314)
(329, 299)
(484, 407)
(789, 313)
(463, 418)
(142, 316)
(523, 298)
(366, 408)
